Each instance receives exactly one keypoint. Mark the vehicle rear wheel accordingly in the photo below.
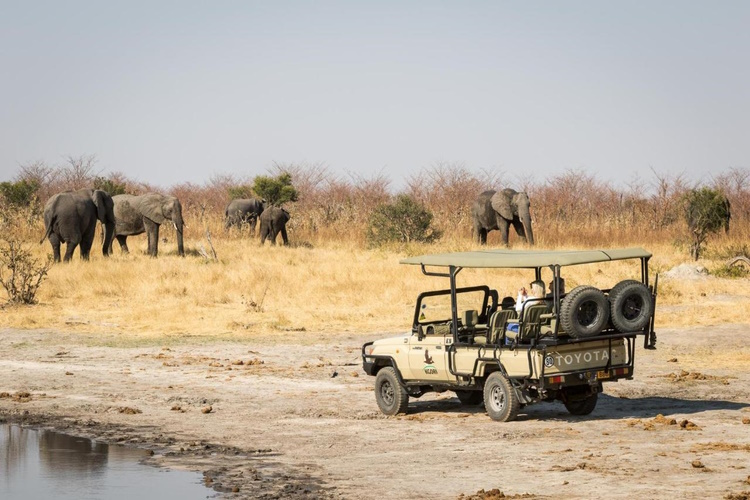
(631, 306)
(391, 397)
(500, 399)
(581, 405)
(584, 312)
(470, 397)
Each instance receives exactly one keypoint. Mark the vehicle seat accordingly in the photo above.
(532, 322)
(496, 326)
(470, 318)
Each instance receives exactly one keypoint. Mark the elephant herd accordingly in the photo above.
(71, 216)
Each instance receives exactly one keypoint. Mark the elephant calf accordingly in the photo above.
(71, 216)
(272, 222)
(145, 213)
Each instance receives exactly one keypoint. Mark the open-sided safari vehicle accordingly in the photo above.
(559, 347)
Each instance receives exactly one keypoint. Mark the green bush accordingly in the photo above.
(243, 191)
(111, 186)
(736, 271)
(402, 221)
(706, 211)
(275, 190)
(20, 193)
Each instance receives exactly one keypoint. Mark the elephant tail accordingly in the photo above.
(48, 231)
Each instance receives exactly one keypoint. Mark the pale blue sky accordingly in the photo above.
(176, 91)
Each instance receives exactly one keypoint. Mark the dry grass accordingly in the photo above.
(327, 287)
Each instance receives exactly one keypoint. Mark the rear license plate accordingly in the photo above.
(602, 374)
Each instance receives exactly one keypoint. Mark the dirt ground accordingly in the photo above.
(296, 418)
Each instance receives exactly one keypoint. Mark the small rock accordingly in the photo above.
(697, 464)
(334, 374)
(68, 373)
(673, 360)
(746, 420)
(207, 409)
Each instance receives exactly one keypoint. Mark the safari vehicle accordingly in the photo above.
(560, 347)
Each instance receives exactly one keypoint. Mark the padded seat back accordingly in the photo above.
(470, 318)
(532, 322)
(496, 326)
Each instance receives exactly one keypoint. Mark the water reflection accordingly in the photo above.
(45, 464)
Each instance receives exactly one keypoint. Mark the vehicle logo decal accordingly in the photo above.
(427, 357)
(549, 361)
(430, 370)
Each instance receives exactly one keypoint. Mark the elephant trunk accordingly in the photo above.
(179, 226)
(526, 221)
(109, 234)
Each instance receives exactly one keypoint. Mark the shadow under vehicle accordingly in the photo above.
(559, 347)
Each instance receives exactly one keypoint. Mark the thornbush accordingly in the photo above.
(404, 221)
(20, 273)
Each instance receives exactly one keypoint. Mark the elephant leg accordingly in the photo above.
(253, 222)
(519, 230)
(55, 242)
(152, 229)
(274, 233)
(283, 236)
(69, 249)
(87, 241)
(123, 241)
(504, 226)
(85, 250)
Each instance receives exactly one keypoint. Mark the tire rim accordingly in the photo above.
(497, 399)
(387, 394)
(588, 313)
(632, 307)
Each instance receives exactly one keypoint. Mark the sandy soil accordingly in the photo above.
(292, 418)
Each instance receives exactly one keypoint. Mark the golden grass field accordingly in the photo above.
(326, 287)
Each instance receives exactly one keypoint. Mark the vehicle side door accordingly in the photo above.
(427, 357)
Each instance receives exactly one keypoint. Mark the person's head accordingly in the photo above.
(508, 303)
(537, 288)
(561, 283)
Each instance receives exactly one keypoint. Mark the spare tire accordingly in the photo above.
(631, 306)
(584, 312)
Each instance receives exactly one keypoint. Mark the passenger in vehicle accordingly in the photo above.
(507, 303)
(537, 292)
(561, 283)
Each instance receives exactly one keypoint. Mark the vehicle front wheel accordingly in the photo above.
(581, 406)
(391, 397)
(469, 397)
(500, 399)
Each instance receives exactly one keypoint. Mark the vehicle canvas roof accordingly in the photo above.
(525, 259)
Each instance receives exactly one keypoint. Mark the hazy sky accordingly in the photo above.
(176, 91)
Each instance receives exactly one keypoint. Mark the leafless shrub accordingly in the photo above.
(21, 274)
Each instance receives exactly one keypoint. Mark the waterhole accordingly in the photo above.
(41, 464)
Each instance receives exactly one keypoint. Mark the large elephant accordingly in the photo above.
(71, 216)
(145, 213)
(500, 209)
(272, 222)
(242, 210)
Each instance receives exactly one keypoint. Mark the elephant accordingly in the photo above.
(136, 214)
(500, 209)
(71, 217)
(242, 210)
(272, 222)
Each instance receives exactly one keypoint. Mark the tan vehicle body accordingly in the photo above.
(558, 347)
(426, 359)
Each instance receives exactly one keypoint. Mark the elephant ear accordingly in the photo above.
(151, 208)
(501, 203)
(100, 199)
